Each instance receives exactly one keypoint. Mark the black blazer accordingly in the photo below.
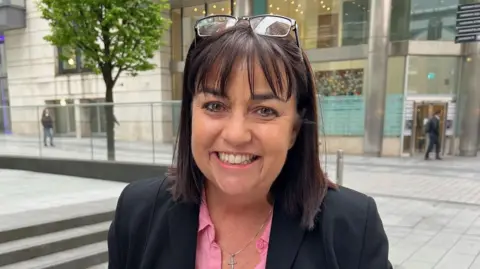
(433, 126)
(151, 231)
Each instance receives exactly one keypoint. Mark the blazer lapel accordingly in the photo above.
(183, 228)
(286, 236)
(177, 227)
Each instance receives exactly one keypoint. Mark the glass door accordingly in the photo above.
(422, 112)
(421, 116)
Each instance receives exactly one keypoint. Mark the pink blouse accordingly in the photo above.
(209, 255)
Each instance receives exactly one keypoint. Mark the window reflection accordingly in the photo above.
(219, 8)
(424, 19)
(71, 61)
(340, 82)
(432, 74)
(433, 20)
(326, 23)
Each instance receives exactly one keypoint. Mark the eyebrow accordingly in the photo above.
(256, 97)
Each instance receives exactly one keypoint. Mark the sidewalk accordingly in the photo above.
(27, 198)
(441, 181)
(431, 235)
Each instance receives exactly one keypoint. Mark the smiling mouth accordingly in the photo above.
(236, 159)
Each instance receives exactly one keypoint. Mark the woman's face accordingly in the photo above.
(239, 141)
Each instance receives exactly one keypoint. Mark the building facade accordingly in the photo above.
(38, 78)
(382, 67)
(422, 69)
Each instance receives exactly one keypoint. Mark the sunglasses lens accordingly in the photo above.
(211, 25)
(271, 26)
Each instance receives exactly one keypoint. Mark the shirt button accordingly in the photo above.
(260, 244)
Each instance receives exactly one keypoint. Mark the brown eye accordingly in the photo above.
(267, 112)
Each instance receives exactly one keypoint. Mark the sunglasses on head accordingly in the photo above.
(266, 25)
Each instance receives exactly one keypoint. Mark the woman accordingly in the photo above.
(47, 123)
(248, 190)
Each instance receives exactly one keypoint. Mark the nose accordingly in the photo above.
(236, 130)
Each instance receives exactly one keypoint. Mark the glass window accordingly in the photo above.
(340, 85)
(340, 78)
(424, 19)
(400, 20)
(396, 75)
(70, 59)
(432, 75)
(72, 62)
(190, 16)
(340, 82)
(326, 23)
(219, 8)
(433, 19)
(5, 119)
(3, 62)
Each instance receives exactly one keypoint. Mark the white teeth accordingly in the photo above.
(236, 158)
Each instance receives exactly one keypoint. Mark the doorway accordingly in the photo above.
(421, 114)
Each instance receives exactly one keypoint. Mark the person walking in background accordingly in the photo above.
(433, 132)
(47, 123)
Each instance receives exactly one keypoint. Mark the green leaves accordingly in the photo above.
(113, 35)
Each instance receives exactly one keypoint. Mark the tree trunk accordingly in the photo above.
(109, 112)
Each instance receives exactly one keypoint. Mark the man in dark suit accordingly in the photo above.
(433, 131)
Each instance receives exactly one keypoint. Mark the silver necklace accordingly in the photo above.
(232, 262)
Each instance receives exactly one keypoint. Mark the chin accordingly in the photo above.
(235, 186)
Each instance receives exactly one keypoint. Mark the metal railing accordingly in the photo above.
(144, 132)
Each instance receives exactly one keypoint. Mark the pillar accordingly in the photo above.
(243, 8)
(376, 76)
(470, 100)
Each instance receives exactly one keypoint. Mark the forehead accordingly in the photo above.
(248, 74)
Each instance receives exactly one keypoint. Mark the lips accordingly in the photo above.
(236, 159)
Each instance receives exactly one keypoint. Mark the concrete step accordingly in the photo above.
(77, 258)
(100, 266)
(54, 226)
(33, 247)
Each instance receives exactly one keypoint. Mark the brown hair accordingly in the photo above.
(301, 185)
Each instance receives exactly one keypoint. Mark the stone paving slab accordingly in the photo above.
(437, 187)
(427, 235)
(37, 197)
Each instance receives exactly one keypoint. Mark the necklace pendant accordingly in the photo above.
(232, 262)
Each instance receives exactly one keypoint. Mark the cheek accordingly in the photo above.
(204, 129)
(275, 139)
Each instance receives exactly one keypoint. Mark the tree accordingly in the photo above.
(114, 36)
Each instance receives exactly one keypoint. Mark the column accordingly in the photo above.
(79, 118)
(243, 8)
(376, 76)
(470, 100)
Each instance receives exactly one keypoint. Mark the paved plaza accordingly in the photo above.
(29, 198)
(431, 209)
